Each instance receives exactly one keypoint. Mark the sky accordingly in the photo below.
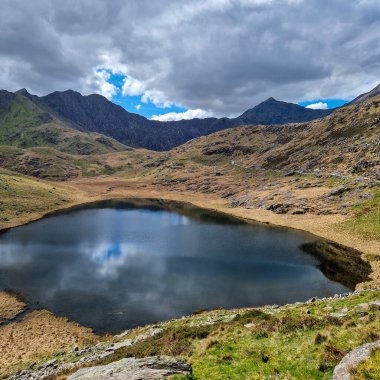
(175, 59)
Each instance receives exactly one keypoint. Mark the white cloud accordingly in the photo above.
(99, 80)
(158, 98)
(135, 87)
(318, 106)
(220, 55)
(132, 87)
(138, 106)
(189, 114)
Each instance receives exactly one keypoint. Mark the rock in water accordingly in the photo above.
(151, 368)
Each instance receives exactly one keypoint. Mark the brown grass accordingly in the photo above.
(38, 335)
(10, 305)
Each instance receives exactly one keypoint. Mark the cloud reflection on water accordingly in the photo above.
(114, 268)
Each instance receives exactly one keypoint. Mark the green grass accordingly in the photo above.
(366, 219)
(25, 125)
(21, 197)
(293, 342)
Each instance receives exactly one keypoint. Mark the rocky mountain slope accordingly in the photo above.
(370, 94)
(96, 114)
(272, 111)
(25, 123)
(344, 143)
(27, 120)
(329, 166)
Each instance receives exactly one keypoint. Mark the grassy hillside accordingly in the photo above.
(346, 142)
(296, 341)
(22, 197)
(52, 164)
(293, 342)
(24, 124)
(325, 167)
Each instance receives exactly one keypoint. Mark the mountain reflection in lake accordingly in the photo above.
(118, 265)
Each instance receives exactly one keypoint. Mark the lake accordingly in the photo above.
(115, 265)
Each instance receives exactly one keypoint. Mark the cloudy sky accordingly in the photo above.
(172, 59)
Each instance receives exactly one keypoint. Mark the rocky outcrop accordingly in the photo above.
(343, 370)
(151, 368)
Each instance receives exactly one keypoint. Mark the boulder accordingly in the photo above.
(150, 368)
(343, 370)
(338, 191)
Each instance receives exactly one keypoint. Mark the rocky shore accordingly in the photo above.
(108, 351)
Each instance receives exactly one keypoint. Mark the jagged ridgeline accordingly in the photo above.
(28, 120)
(48, 137)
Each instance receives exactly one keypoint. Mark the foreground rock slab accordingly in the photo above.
(151, 368)
(343, 370)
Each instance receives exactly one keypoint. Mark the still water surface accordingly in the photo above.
(117, 265)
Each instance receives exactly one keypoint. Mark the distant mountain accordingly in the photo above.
(96, 114)
(272, 111)
(26, 123)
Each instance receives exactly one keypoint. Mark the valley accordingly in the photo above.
(318, 176)
(190, 190)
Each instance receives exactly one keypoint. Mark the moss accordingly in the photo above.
(368, 369)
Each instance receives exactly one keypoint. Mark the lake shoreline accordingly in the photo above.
(80, 197)
(83, 194)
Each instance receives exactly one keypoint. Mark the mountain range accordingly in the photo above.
(92, 124)
(95, 114)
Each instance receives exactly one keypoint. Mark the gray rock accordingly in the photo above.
(150, 368)
(375, 304)
(50, 363)
(343, 370)
(122, 335)
(105, 354)
(361, 313)
(125, 343)
(338, 315)
(155, 331)
(338, 191)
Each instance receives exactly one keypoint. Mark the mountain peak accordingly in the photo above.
(68, 92)
(23, 91)
(273, 111)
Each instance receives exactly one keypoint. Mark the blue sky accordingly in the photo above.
(330, 103)
(146, 107)
(135, 104)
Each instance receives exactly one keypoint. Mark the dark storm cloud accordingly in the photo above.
(218, 55)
